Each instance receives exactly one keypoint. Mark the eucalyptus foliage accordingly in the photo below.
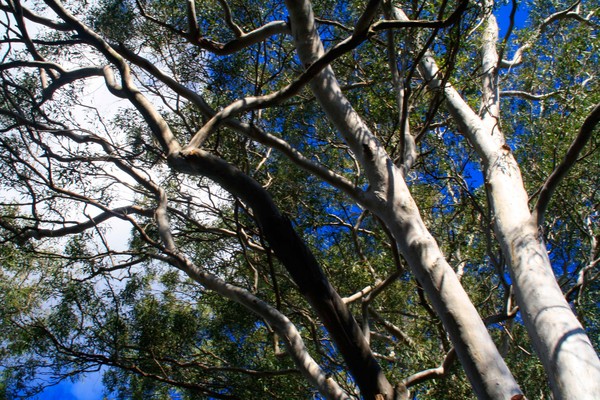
(199, 201)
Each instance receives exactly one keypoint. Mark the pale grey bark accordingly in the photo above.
(560, 341)
(390, 199)
(162, 132)
(276, 320)
(407, 147)
(571, 12)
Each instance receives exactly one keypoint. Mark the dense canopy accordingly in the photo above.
(229, 199)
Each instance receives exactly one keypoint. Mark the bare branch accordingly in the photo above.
(432, 373)
(569, 13)
(238, 32)
(526, 95)
(361, 293)
(570, 158)
(405, 23)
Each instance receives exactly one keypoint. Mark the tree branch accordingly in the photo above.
(30, 15)
(439, 24)
(526, 95)
(558, 16)
(251, 131)
(275, 98)
(238, 32)
(280, 323)
(432, 373)
(570, 158)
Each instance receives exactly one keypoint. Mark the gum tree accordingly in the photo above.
(372, 181)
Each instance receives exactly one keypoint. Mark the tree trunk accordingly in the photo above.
(560, 341)
(390, 199)
(302, 266)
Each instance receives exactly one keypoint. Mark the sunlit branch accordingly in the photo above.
(490, 104)
(275, 98)
(469, 122)
(241, 42)
(402, 23)
(251, 131)
(246, 40)
(359, 35)
(229, 19)
(358, 295)
(526, 95)
(432, 373)
(570, 13)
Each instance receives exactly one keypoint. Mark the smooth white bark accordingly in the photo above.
(279, 322)
(390, 199)
(560, 341)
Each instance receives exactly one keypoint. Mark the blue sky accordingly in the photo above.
(503, 18)
(90, 386)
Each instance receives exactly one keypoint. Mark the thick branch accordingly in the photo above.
(432, 373)
(490, 104)
(157, 124)
(293, 254)
(261, 102)
(238, 32)
(405, 23)
(281, 324)
(251, 38)
(241, 42)
(391, 200)
(526, 95)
